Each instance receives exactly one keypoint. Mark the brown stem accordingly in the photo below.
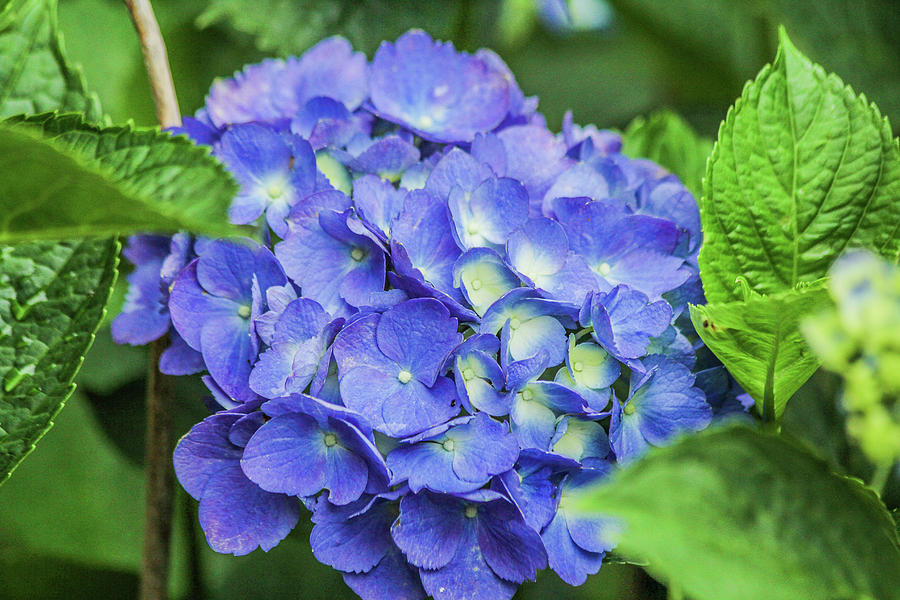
(160, 482)
(156, 61)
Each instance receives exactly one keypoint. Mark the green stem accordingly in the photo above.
(880, 477)
(159, 480)
(675, 592)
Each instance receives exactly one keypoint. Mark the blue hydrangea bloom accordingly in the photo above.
(452, 319)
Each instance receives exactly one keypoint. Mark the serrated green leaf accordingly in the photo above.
(734, 514)
(802, 169)
(34, 74)
(667, 139)
(89, 181)
(52, 297)
(290, 27)
(759, 342)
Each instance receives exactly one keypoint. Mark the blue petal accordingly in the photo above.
(580, 439)
(423, 230)
(349, 540)
(456, 169)
(484, 448)
(418, 334)
(467, 577)
(535, 157)
(483, 277)
(179, 358)
(428, 465)
(430, 529)
(538, 249)
(442, 95)
(191, 307)
(377, 203)
(356, 346)
(237, 516)
(392, 579)
(225, 345)
(513, 550)
(287, 455)
(386, 157)
(204, 451)
(572, 563)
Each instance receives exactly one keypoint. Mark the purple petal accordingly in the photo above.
(418, 334)
(442, 95)
(456, 169)
(512, 549)
(237, 516)
(572, 563)
(392, 579)
(225, 345)
(430, 529)
(179, 358)
(349, 540)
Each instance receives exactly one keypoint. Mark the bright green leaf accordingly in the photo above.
(89, 181)
(52, 297)
(734, 514)
(760, 343)
(803, 168)
(34, 74)
(664, 137)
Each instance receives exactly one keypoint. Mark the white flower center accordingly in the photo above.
(404, 376)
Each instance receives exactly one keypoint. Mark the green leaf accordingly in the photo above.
(734, 514)
(290, 27)
(760, 343)
(665, 138)
(105, 181)
(52, 297)
(34, 74)
(802, 169)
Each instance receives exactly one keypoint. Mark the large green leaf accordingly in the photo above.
(34, 74)
(734, 514)
(760, 343)
(802, 169)
(667, 139)
(84, 180)
(52, 297)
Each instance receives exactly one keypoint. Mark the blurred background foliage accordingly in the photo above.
(71, 517)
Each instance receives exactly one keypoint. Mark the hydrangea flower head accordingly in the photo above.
(452, 320)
